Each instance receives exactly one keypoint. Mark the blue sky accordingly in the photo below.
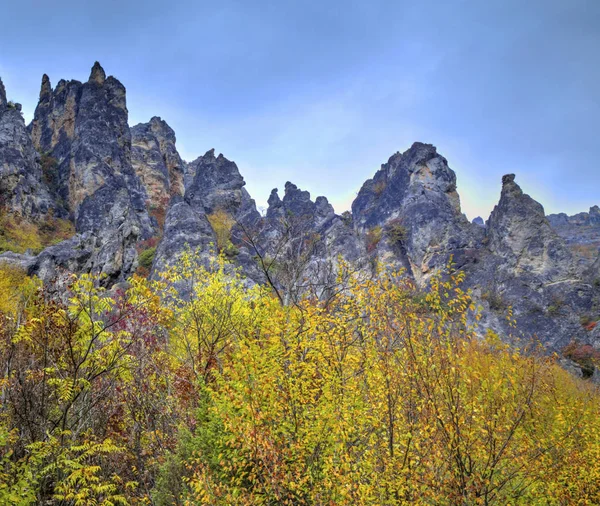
(322, 92)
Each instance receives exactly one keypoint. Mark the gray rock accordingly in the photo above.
(410, 214)
(83, 126)
(185, 227)
(581, 232)
(217, 184)
(3, 100)
(22, 188)
(157, 163)
(519, 232)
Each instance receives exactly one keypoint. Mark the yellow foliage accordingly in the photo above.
(19, 235)
(221, 223)
(198, 389)
(15, 288)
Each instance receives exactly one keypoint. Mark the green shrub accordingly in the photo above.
(555, 308)
(494, 299)
(379, 187)
(347, 218)
(49, 166)
(18, 234)
(147, 257)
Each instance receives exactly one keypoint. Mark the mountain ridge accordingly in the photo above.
(127, 189)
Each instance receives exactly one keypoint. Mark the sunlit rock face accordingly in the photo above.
(519, 232)
(22, 188)
(409, 216)
(157, 163)
(531, 271)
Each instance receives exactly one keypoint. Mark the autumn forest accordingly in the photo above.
(198, 389)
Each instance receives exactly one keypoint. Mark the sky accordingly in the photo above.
(321, 93)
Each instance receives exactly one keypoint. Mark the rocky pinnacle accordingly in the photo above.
(46, 89)
(98, 75)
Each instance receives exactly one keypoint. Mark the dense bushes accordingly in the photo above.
(225, 396)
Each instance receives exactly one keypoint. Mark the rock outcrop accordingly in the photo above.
(305, 241)
(22, 187)
(121, 186)
(157, 164)
(526, 266)
(215, 192)
(410, 214)
(581, 232)
(519, 232)
(185, 227)
(82, 128)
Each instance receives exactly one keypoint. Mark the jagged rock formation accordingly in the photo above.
(581, 232)
(305, 240)
(118, 184)
(410, 212)
(528, 267)
(215, 190)
(185, 227)
(157, 164)
(82, 128)
(519, 232)
(22, 188)
(335, 236)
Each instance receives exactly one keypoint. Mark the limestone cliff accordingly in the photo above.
(410, 213)
(82, 128)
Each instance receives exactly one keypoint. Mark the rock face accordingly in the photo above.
(82, 128)
(519, 232)
(410, 213)
(121, 186)
(581, 232)
(157, 164)
(215, 191)
(22, 187)
(185, 227)
(305, 241)
(528, 267)
(334, 236)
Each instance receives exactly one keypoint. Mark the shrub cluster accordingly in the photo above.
(225, 396)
